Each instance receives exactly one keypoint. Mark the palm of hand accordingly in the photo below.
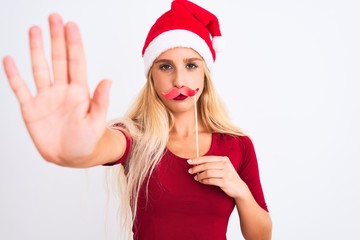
(64, 122)
(60, 112)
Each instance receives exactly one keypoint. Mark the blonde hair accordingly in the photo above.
(148, 122)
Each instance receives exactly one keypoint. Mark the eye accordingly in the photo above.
(191, 66)
(165, 67)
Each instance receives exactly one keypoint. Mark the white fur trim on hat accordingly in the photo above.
(176, 38)
(219, 43)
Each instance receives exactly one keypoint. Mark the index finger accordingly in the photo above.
(205, 159)
(17, 84)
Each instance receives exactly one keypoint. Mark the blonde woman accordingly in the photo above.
(186, 166)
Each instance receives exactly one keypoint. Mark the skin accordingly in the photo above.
(81, 138)
(173, 68)
(176, 68)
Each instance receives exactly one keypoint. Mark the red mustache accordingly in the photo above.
(175, 92)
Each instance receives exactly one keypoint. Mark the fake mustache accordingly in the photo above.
(175, 92)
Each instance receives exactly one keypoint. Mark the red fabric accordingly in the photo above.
(188, 16)
(127, 150)
(178, 207)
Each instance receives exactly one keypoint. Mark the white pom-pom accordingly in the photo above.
(218, 44)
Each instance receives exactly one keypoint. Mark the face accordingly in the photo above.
(178, 67)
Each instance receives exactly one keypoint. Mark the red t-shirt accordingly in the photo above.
(178, 207)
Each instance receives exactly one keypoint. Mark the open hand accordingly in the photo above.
(63, 120)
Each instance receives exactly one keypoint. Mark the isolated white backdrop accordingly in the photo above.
(289, 76)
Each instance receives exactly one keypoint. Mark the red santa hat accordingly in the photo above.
(184, 25)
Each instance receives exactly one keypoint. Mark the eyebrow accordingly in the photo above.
(185, 60)
(192, 59)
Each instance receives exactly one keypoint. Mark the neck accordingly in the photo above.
(185, 125)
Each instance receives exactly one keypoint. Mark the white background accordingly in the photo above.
(289, 76)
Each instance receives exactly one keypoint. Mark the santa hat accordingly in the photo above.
(184, 25)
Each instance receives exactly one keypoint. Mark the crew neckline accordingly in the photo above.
(206, 154)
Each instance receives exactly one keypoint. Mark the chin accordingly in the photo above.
(182, 106)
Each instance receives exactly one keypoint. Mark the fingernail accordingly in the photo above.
(196, 178)
(190, 171)
(189, 161)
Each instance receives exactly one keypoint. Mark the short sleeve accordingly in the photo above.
(127, 149)
(249, 172)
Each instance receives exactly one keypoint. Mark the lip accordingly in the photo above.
(180, 97)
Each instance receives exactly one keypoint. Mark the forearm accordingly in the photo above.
(255, 222)
(109, 148)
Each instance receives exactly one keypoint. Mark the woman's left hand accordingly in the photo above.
(218, 171)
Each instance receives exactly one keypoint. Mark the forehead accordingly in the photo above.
(179, 53)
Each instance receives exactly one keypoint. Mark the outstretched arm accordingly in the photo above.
(66, 123)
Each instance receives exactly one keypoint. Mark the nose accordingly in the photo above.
(179, 78)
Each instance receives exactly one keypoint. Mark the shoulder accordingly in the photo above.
(232, 145)
(243, 141)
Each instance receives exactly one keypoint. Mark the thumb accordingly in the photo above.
(100, 101)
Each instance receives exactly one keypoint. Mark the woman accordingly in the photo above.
(186, 164)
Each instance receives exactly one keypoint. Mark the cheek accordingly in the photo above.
(200, 83)
(200, 80)
(161, 86)
(155, 78)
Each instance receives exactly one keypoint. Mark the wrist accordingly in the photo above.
(243, 194)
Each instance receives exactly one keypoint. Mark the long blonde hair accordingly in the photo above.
(148, 122)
